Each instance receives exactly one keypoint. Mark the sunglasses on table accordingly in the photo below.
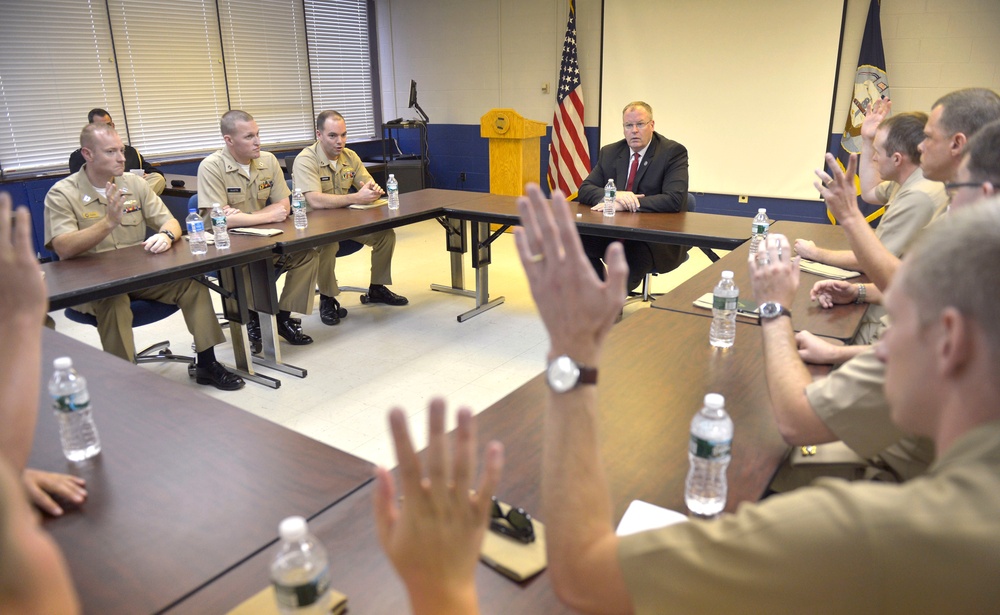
(516, 523)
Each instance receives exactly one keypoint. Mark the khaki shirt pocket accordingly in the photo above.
(345, 182)
(262, 196)
(235, 199)
(326, 184)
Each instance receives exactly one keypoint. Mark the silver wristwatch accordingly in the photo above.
(564, 374)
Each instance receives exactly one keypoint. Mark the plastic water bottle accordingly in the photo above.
(758, 229)
(300, 571)
(725, 297)
(299, 209)
(392, 189)
(219, 227)
(709, 454)
(71, 402)
(609, 198)
(196, 232)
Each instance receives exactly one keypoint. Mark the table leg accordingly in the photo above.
(265, 303)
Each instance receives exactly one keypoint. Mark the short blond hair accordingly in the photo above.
(638, 104)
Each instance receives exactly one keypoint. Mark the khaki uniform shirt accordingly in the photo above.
(221, 180)
(851, 403)
(73, 204)
(931, 545)
(313, 171)
(909, 207)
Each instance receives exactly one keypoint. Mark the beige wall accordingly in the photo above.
(469, 56)
(931, 46)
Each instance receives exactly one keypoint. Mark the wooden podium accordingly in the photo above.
(514, 150)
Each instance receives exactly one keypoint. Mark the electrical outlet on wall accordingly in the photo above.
(744, 198)
(461, 176)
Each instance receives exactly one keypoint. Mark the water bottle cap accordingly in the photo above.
(293, 528)
(192, 209)
(392, 176)
(63, 363)
(714, 401)
(727, 275)
(762, 211)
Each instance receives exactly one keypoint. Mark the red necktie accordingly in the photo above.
(631, 172)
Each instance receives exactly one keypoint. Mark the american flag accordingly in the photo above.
(569, 155)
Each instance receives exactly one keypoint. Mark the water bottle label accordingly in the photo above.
(706, 449)
(724, 303)
(196, 227)
(295, 596)
(760, 228)
(219, 221)
(298, 204)
(71, 403)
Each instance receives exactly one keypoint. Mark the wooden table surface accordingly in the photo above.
(840, 322)
(95, 276)
(329, 225)
(658, 366)
(686, 228)
(185, 487)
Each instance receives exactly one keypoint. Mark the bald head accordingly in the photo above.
(92, 132)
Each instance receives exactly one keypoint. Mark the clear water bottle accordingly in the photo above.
(71, 402)
(299, 209)
(219, 227)
(392, 189)
(609, 198)
(758, 229)
(300, 571)
(196, 232)
(709, 454)
(725, 297)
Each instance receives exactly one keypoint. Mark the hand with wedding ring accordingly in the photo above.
(774, 272)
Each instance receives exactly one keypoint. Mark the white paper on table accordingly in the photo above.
(642, 516)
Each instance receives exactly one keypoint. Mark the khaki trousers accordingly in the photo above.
(114, 316)
(298, 294)
(382, 243)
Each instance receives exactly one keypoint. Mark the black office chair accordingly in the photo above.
(646, 294)
(144, 312)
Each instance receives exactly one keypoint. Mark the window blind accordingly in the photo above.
(267, 67)
(56, 64)
(172, 75)
(340, 63)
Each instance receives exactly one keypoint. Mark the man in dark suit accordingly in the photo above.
(651, 174)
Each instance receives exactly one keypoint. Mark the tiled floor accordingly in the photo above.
(382, 356)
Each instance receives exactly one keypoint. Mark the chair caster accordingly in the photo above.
(364, 299)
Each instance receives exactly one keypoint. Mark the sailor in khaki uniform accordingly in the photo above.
(929, 545)
(326, 171)
(250, 186)
(103, 208)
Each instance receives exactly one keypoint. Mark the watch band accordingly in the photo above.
(168, 234)
(862, 294)
(563, 374)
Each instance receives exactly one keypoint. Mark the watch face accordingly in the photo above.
(771, 309)
(563, 374)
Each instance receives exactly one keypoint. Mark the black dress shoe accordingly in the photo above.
(292, 334)
(330, 311)
(378, 293)
(218, 376)
(253, 332)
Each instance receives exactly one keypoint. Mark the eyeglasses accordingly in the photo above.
(637, 126)
(518, 523)
(951, 189)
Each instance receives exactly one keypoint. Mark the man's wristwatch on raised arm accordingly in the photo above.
(770, 310)
(564, 374)
(169, 235)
